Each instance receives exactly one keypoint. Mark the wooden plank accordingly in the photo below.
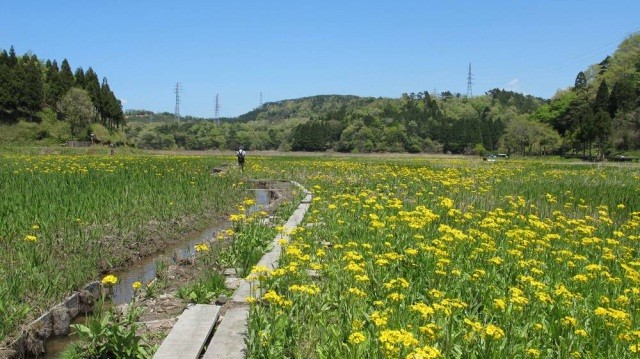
(188, 336)
(228, 340)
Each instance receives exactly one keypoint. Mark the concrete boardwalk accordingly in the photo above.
(228, 340)
(189, 335)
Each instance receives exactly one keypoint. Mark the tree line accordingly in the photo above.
(596, 116)
(416, 122)
(29, 86)
(600, 114)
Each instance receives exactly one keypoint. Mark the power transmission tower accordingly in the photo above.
(260, 99)
(216, 113)
(176, 113)
(469, 82)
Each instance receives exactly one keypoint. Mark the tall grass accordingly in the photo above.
(66, 218)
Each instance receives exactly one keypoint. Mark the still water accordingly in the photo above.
(145, 271)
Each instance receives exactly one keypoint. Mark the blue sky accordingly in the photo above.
(291, 49)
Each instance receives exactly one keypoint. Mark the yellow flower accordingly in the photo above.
(494, 332)
(475, 326)
(30, 238)
(357, 292)
(424, 310)
(379, 318)
(357, 324)
(272, 297)
(533, 353)
(136, 285)
(201, 247)
(250, 300)
(308, 289)
(237, 217)
(569, 321)
(425, 352)
(109, 280)
(499, 304)
(283, 241)
(581, 332)
(35, 227)
(430, 330)
(357, 338)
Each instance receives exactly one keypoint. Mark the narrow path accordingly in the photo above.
(228, 338)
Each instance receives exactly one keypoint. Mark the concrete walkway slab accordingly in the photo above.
(188, 336)
(228, 341)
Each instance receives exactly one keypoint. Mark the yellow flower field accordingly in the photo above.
(398, 257)
(410, 258)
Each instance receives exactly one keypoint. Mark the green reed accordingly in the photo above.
(64, 219)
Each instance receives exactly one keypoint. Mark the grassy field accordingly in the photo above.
(65, 219)
(426, 258)
(399, 256)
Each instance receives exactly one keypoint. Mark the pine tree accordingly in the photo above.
(602, 128)
(79, 78)
(66, 77)
(104, 103)
(601, 119)
(601, 102)
(13, 59)
(54, 89)
(4, 58)
(110, 107)
(6, 99)
(623, 97)
(32, 93)
(92, 85)
(581, 81)
(17, 85)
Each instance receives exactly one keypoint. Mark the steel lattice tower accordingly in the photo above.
(176, 113)
(469, 82)
(216, 113)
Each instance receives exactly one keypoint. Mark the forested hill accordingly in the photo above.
(414, 122)
(306, 107)
(598, 115)
(328, 106)
(41, 100)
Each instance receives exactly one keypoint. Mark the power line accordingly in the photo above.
(597, 52)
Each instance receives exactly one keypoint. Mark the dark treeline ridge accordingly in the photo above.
(69, 102)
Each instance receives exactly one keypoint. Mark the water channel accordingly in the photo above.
(145, 270)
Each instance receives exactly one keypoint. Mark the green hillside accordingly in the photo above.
(596, 116)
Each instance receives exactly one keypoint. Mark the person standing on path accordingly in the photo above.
(241, 154)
